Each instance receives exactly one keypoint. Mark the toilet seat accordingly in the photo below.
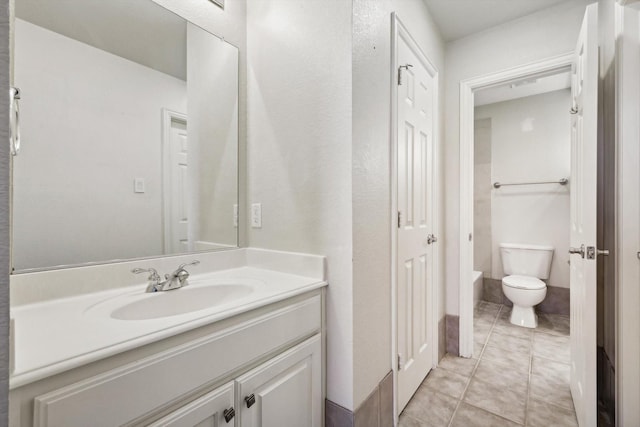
(523, 282)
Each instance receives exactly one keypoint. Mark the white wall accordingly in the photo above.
(102, 109)
(299, 150)
(541, 35)
(531, 141)
(321, 192)
(371, 180)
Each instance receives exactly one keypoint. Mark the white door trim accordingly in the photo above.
(167, 116)
(628, 212)
(398, 30)
(467, 87)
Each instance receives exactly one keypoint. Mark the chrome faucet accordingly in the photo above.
(174, 280)
(154, 278)
(178, 278)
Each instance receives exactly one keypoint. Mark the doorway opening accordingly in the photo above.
(516, 83)
(523, 264)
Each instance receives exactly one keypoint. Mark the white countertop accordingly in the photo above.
(60, 334)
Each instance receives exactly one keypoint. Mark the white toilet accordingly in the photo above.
(524, 267)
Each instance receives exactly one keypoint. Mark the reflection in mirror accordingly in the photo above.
(129, 120)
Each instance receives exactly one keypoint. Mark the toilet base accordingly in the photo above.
(524, 316)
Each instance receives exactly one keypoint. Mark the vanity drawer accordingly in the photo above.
(144, 387)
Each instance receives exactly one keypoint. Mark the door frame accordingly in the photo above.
(168, 116)
(467, 88)
(627, 27)
(398, 31)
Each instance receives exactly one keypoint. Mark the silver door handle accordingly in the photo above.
(431, 239)
(14, 120)
(580, 251)
(603, 252)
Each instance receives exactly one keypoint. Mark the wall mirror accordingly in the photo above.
(129, 129)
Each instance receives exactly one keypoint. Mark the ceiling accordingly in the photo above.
(460, 18)
(131, 29)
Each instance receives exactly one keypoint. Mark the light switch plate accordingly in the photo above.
(138, 185)
(256, 215)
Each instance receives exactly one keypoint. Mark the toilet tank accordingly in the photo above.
(526, 260)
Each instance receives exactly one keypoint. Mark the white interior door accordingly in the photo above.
(584, 221)
(177, 215)
(415, 126)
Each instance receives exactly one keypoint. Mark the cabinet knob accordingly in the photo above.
(229, 414)
(250, 400)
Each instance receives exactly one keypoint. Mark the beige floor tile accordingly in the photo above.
(446, 382)
(509, 342)
(498, 400)
(513, 330)
(551, 347)
(502, 375)
(431, 408)
(486, 310)
(407, 421)
(481, 333)
(543, 414)
(549, 389)
(486, 305)
(483, 320)
(496, 395)
(459, 365)
(551, 369)
(554, 324)
(477, 349)
(470, 416)
(516, 361)
(504, 316)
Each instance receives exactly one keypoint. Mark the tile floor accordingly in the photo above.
(517, 376)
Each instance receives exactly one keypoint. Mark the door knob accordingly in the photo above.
(592, 252)
(431, 239)
(579, 251)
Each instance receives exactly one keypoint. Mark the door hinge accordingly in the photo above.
(406, 67)
(399, 362)
(399, 219)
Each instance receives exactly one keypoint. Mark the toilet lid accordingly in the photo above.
(524, 282)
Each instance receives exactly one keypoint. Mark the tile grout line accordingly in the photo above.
(526, 402)
(475, 367)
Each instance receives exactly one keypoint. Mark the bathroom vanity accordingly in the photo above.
(254, 358)
(129, 118)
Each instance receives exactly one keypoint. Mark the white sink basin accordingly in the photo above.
(180, 301)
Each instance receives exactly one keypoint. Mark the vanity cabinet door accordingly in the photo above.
(214, 409)
(285, 391)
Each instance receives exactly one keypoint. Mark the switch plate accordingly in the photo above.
(256, 215)
(235, 215)
(138, 185)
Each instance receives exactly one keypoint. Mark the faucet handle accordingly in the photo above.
(153, 274)
(181, 274)
(182, 266)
